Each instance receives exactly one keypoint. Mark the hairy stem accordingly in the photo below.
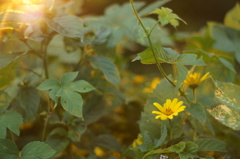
(148, 34)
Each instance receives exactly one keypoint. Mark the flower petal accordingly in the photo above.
(159, 106)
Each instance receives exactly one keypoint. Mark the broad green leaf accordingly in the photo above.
(108, 68)
(68, 77)
(182, 74)
(29, 101)
(227, 64)
(72, 102)
(198, 112)
(209, 144)
(8, 149)
(37, 149)
(8, 74)
(226, 39)
(53, 93)
(152, 6)
(81, 86)
(68, 25)
(12, 121)
(228, 94)
(189, 59)
(178, 147)
(227, 116)
(4, 101)
(165, 16)
(232, 18)
(147, 57)
(49, 84)
(160, 141)
(6, 58)
(57, 143)
(189, 151)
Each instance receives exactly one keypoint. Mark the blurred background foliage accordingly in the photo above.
(119, 123)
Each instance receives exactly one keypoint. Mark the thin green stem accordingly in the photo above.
(194, 95)
(170, 129)
(45, 61)
(153, 51)
(151, 45)
(12, 136)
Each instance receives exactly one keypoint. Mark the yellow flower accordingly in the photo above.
(99, 151)
(193, 80)
(169, 109)
(153, 85)
(138, 141)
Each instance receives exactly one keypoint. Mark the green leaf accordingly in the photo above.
(72, 102)
(226, 39)
(68, 77)
(165, 16)
(29, 101)
(4, 101)
(147, 56)
(182, 74)
(37, 149)
(108, 68)
(8, 149)
(209, 144)
(12, 121)
(160, 141)
(49, 84)
(228, 94)
(178, 147)
(6, 59)
(152, 6)
(227, 116)
(68, 25)
(9, 74)
(189, 151)
(57, 143)
(232, 18)
(198, 112)
(227, 64)
(81, 86)
(189, 59)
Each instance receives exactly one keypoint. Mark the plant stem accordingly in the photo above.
(194, 95)
(151, 45)
(153, 51)
(12, 136)
(45, 61)
(170, 130)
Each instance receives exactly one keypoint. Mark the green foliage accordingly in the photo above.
(210, 145)
(166, 16)
(11, 121)
(68, 89)
(36, 149)
(108, 68)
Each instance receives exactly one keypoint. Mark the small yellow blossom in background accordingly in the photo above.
(193, 80)
(139, 79)
(99, 151)
(138, 141)
(169, 109)
(153, 85)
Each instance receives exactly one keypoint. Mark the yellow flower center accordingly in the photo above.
(168, 111)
